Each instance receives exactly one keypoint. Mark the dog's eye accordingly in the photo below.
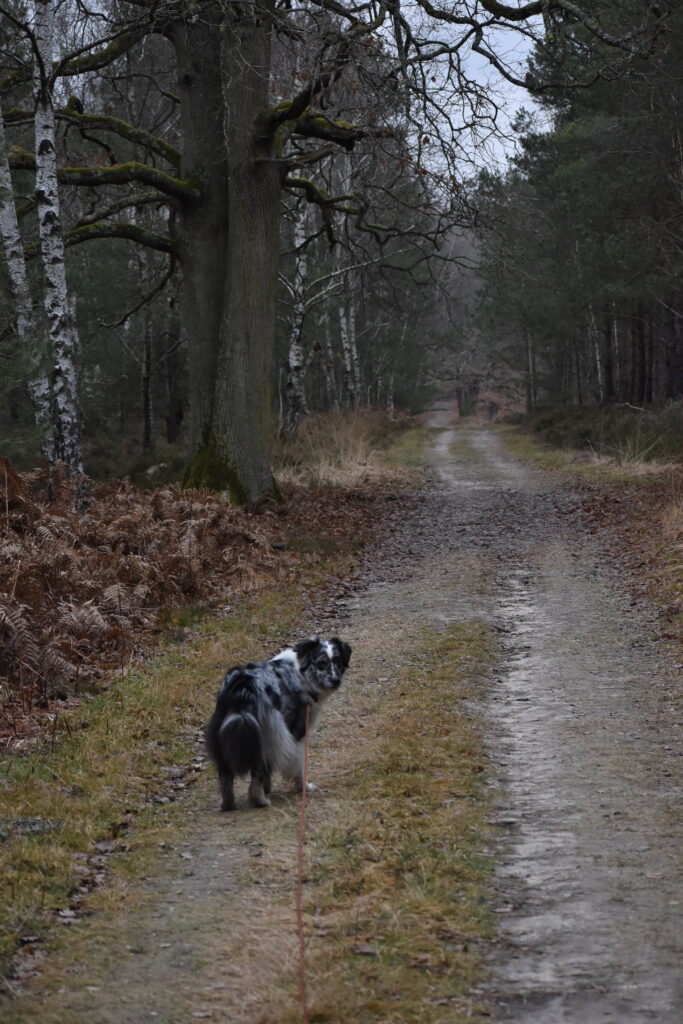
(321, 662)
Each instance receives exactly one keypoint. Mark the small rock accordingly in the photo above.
(365, 950)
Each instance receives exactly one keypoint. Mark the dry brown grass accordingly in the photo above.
(618, 463)
(348, 448)
(672, 522)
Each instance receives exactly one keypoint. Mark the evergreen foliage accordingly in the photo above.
(582, 236)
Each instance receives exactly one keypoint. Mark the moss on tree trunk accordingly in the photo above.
(214, 470)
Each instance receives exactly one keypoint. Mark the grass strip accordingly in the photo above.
(351, 448)
(399, 872)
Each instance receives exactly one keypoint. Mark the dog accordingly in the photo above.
(261, 716)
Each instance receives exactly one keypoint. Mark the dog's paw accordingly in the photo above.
(259, 801)
(257, 795)
(310, 786)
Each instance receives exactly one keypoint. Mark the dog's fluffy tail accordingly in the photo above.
(234, 737)
(239, 744)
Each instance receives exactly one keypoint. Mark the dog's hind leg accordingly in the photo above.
(227, 785)
(259, 788)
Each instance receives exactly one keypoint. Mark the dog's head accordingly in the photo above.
(322, 663)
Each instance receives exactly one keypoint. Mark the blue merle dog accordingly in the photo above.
(259, 723)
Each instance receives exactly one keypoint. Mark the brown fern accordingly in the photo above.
(19, 648)
(79, 590)
(12, 488)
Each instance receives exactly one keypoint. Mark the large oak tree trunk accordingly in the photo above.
(203, 222)
(237, 450)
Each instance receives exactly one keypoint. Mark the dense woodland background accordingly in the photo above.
(411, 260)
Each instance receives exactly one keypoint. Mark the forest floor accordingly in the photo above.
(495, 835)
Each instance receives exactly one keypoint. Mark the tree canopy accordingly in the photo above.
(182, 126)
(582, 235)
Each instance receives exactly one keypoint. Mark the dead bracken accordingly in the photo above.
(87, 580)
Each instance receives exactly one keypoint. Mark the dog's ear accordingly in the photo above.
(344, 651)
(306, 650)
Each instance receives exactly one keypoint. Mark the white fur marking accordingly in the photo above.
(287, 655)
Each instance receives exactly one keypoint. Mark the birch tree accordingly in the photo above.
(347, 328)
(14, 247)
(66, 445)
(314, 284)
(294, 399)
(24, 318)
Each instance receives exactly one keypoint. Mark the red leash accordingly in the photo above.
(303, 995)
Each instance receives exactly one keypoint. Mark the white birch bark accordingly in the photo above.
(351, 280)
(390, 394)
(595, 348)
(295, 394)
(60, 322)
(39, 387)
(347, 357)
(13, 245)
(347, 311)
(347, 328)
(617, 349)
(330, 374)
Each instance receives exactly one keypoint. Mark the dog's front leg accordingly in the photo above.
(299, 777)
(310, 786)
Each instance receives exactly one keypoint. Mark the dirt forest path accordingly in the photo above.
(584, 737)
(586, 734)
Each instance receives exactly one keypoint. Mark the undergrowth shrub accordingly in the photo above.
(108, 458)
(337, 448)
(621, 432)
